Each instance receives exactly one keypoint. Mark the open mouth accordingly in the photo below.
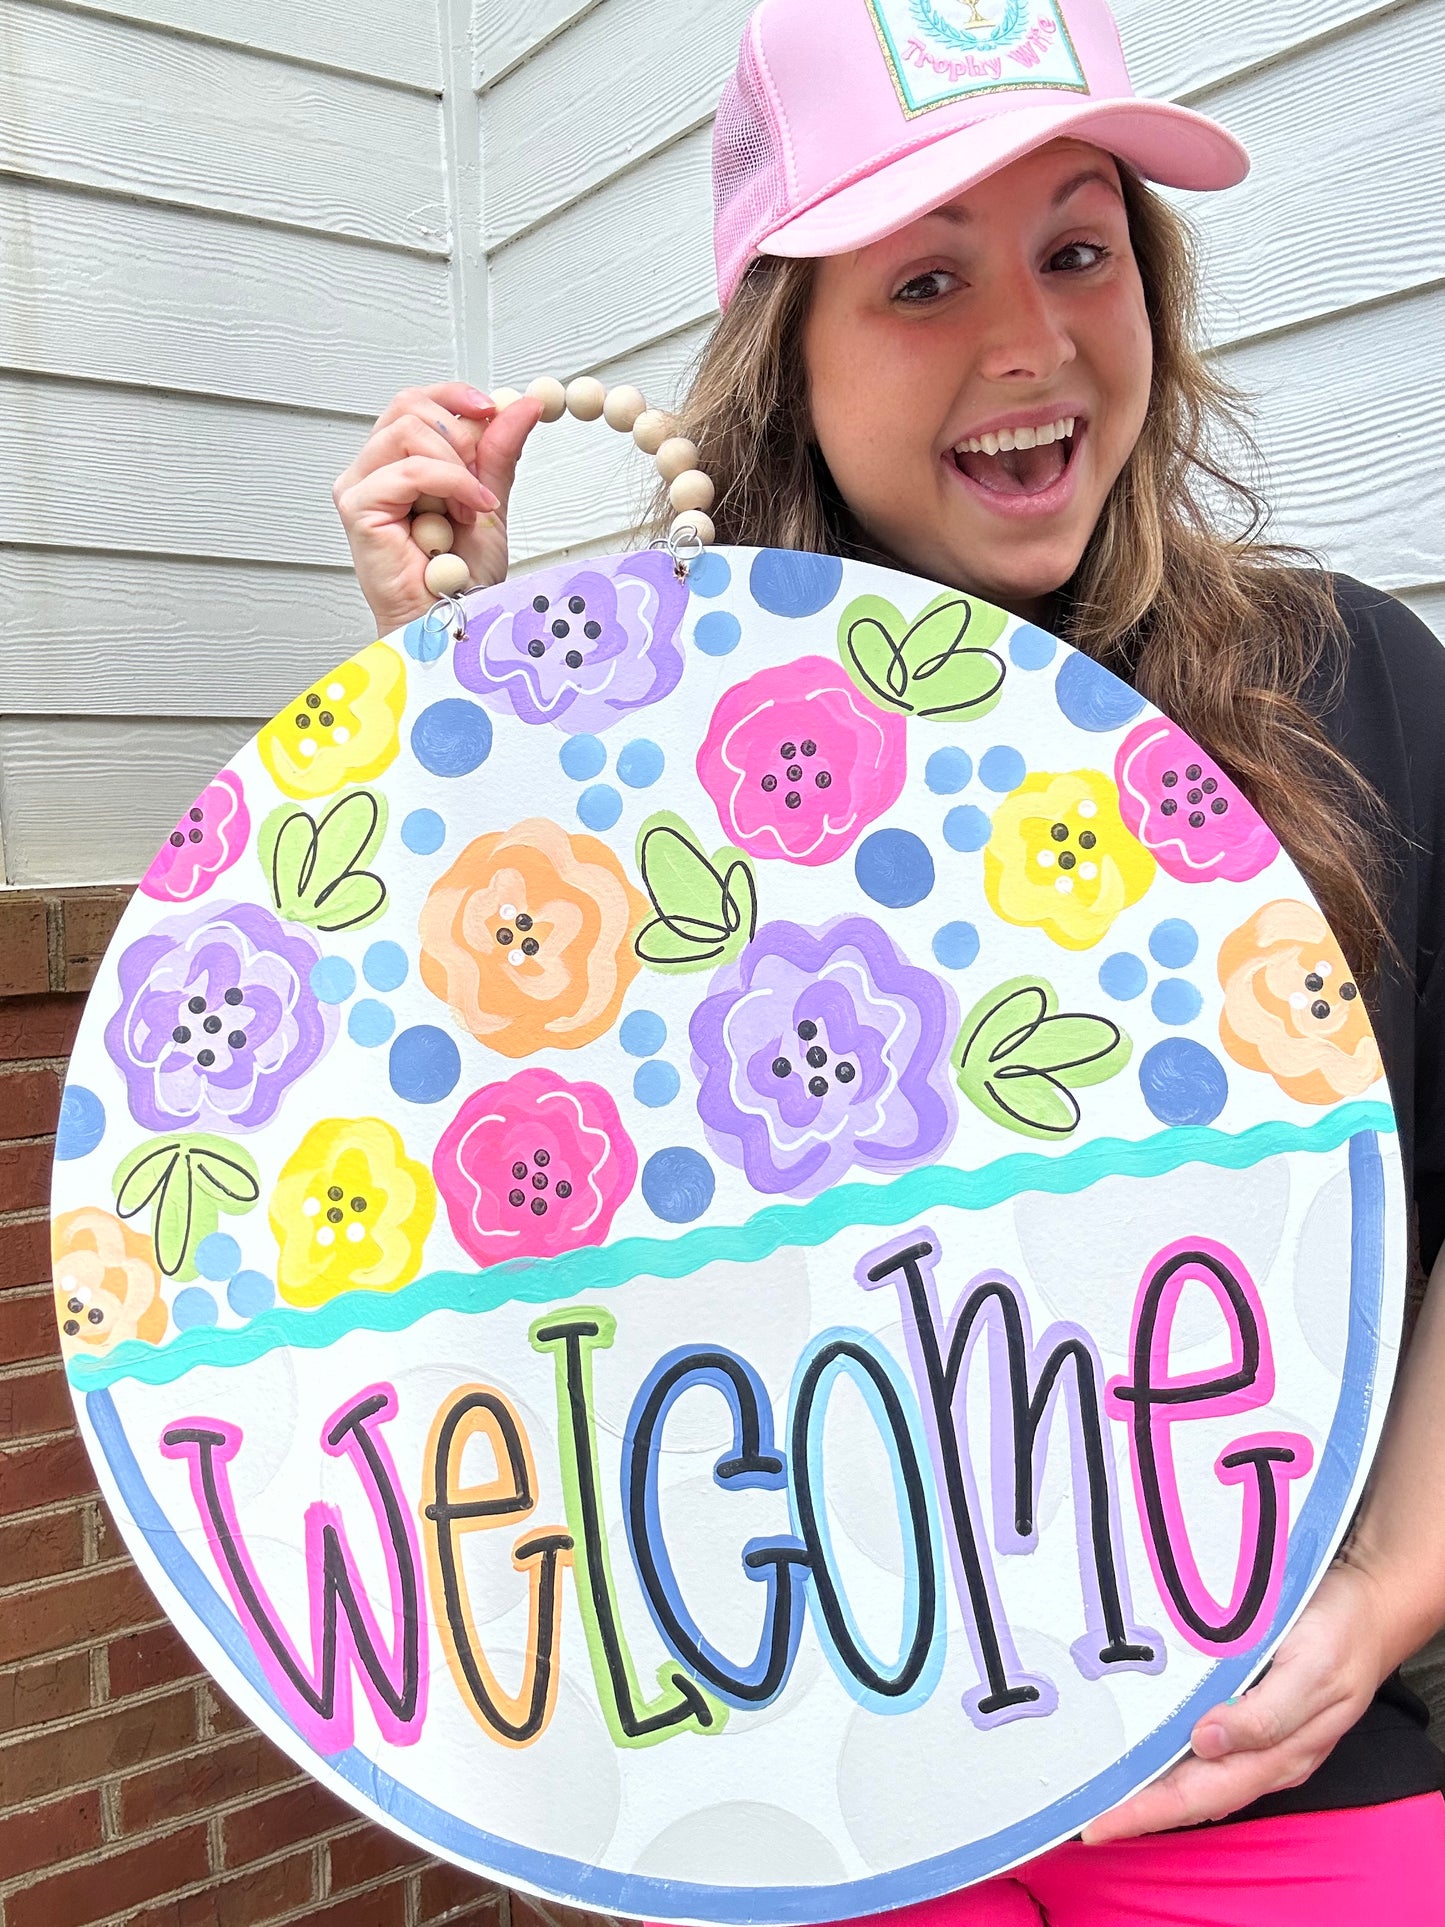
(1020, 461)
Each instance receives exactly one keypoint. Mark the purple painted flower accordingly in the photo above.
(822, 1049)
(581, 649)
(217, 1018)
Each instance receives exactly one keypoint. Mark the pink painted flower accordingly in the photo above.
(533, 1167)
(1184, 809)
(206, 841)
(799, 762)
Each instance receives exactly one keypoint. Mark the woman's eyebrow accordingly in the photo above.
(959, 216)
(1082, 179)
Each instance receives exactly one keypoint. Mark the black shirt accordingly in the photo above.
(1387, 713)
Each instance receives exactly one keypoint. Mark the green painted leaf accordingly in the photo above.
(706, 908)
(316, 866)
(940, 664)
(1019, 1058)
(185, 1182)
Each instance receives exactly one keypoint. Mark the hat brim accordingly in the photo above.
(1171, 145)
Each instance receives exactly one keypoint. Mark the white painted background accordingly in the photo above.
(230, 229)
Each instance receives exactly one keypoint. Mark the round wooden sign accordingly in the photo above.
(727, 1243)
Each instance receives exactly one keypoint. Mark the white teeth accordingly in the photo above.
(1007, 439)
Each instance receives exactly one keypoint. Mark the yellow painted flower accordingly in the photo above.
(341, 730)
(1061, 859)
(107, 1282)
(1292, 1008)
(351, 1212)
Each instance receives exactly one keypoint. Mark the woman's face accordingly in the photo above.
(978, 380)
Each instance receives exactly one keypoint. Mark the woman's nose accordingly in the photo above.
(1023, 337)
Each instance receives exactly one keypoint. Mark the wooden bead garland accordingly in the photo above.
(689, 489)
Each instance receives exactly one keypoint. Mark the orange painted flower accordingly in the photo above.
(107, 1284)
(344, 729)
(1292, 1008)
(528, 936)
(351, 1212)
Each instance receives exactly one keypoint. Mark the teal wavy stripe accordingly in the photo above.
(540, 1281)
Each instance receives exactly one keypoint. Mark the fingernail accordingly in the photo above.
(479, 400)
(1234, 1699)
(489, 501)
(1215, 1739)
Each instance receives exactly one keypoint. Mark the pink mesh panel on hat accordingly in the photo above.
(750, 177)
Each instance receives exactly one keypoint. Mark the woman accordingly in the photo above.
(957, 337)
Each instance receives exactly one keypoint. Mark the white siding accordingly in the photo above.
(225, 241)
(228, 234)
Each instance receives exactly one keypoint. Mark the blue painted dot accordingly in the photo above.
(640, 763)
(1176, 1001)
(424, 1065)
(599, 807)
(452, 737)
(1182, 1082)
(82, 1123)
(332, 979)
(966, 828)
(192, 1307)
(1032, 648)
(655, 1083)
(385, 965)
(1174, 943)
(423, 831)
(218, 1257)
(1092, 698)
(1001, 769)
(710, 574)
(678, 1184)
(582, 758)
(424, 639)
(250, 1293)
(1123, 976)
(369, 1023)
(643, 1033)
(788, 583)
(718, 633)
(894, 868)
(947, 771)
(955, 945)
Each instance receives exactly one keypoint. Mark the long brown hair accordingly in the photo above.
(1224, 631)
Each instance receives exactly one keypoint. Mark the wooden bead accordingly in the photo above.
(552, 395)
(692, 490)
(676, 457)
(504, 397)
(586, 398)
(622, 408)
(433, 533)
(429, 505)
(447, 575)
(651, 430)
(702, 526)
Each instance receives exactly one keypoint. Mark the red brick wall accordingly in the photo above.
(131, 1790)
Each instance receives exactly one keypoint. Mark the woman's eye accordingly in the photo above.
(1077, 256)
(927, 287)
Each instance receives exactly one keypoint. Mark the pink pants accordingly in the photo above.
(1361, 1867)
(1354, 1868)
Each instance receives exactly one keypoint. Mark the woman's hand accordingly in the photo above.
(1323, 1677)
(446, 441)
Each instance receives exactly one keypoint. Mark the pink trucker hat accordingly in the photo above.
(847, 119)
